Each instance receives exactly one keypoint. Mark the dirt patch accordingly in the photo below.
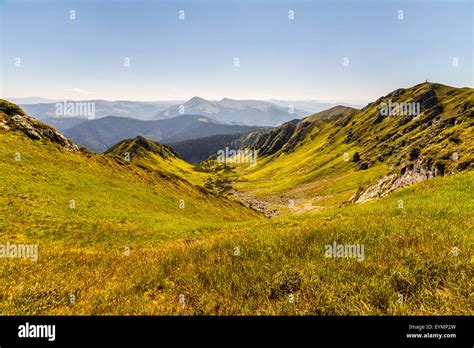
(256, 204)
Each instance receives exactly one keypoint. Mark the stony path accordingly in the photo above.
(256, 204)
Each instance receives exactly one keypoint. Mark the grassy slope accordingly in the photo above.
(312, 171)
(335, 111)
(114, 202)
(191, 251)
(317, 172)
(156, 157)
(406, 252)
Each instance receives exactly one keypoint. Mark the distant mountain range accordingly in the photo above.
(267, 140)
(312, 106)
(244, 112)
(63, 123)
(230, 111)
(31, 100)
(102, 108)
(194, 144)
(99, 135)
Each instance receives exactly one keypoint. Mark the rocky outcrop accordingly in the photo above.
(410, 175)
(16, 120)
(285, 138)
(300, 133)
(271, 142)
(427, 99)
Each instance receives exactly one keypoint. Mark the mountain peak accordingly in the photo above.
(197, 99)
(13, 118)
(141, 146)
(232, 111)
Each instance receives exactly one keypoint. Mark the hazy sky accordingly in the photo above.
(170, 58)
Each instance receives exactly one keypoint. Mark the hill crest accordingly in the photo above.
(13, 118)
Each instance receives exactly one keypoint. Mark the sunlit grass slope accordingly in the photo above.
(128, 247)
(150, 155)
(112, 201)
(422, 252)
(321, 168)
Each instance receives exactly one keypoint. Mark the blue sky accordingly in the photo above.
(279, 58)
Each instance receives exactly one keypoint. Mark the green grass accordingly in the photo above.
(407, 251)
(113, 202)
(191, 251)
(315, 175)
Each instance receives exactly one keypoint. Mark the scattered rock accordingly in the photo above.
(427, 99)
(362, 165)
(37, 130)
(408, 175)
(414, 153)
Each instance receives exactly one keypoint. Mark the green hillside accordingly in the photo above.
(113, 198)
(328, 162)
(331, 113)
(151, 234)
